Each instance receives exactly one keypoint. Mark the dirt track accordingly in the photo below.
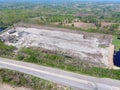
(111, 53)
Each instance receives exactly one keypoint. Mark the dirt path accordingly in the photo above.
(8, 87)
(111, 53)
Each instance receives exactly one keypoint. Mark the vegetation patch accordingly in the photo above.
(63, 14)
(6, 50)
(15, 78)
(116, 42)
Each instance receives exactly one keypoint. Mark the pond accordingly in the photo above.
(1, 29)
(117, 58)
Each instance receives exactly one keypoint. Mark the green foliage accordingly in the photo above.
(5, 50)
(45, 14)
(15, 78)
(59, 18)
(89, 19)
(116, 42)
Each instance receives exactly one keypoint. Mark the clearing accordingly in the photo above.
(88, 47)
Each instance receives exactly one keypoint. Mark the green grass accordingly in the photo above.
(116, 42)
(6, 50)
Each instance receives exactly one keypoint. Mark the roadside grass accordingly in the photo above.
(53, 60)
(6, 50)
(19, 79)
(116, 42)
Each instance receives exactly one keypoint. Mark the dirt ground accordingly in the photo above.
(8, 87)
(84, 46)
(106, 24)
(79, 24)
(82, 25)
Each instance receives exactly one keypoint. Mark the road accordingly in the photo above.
(77, 81)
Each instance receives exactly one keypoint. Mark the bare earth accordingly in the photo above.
(107, 24)
(8, 87)
(84, 47)
(84, 25)
(79, 24)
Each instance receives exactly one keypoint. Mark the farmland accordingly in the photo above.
(103, 17)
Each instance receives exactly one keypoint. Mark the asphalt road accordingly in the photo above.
(77, 81)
